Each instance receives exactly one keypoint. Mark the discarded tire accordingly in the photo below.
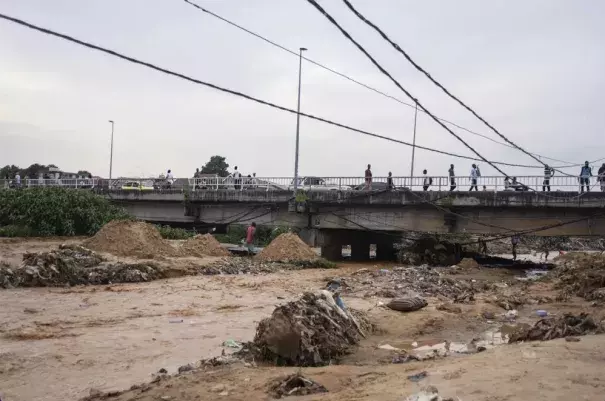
(407, 304)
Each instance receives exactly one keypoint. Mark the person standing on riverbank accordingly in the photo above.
(250, 233)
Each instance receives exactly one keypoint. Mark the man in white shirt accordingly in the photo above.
(17, 180)
(169, 177)
(427, 181)
(474, 175)
(237, 178)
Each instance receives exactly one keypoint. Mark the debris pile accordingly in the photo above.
(429, 249)
(244, 266)
(130, 238)
(311, 331)
(581, 275)
(559, 327)
(428, 393)
(74, 265)
(407, 304)
(403, 281)
(203, 245)
(287, 247)
(294, 384)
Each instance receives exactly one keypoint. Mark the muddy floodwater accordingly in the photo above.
(61, 343)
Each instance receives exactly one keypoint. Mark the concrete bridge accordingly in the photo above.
(334, 218)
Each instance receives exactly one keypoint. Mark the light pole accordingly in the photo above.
(111, 151)
(302, 49)
(414, 143)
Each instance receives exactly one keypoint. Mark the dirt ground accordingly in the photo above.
(68, 341)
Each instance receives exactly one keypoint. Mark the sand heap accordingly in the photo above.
(288, 247)
(311, 331)
(203, 245)
(468, 264)
(130, 238)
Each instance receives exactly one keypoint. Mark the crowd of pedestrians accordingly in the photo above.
(510, 184)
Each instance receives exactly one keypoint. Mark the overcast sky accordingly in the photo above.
(534, 69)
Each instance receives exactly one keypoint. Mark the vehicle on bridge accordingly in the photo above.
(137, 186)
(317, 184)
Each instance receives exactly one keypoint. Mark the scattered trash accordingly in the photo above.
(572, 339)
(339, 302)
(558, 327)
(582, 275)
(418, 376)
(404, 358)
(31, 310)
(186, 368)
(511, 314)
(389, 347)
(488, 315)
(407, 304)
(232, 344)
(175, 321)
(414, 344)
(384, 272)
(295, 384)
(541, 313)
(429, 393)
(449, 308)
(308, 332)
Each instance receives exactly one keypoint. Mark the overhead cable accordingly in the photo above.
(434, 81)
(240, 94)
(342, 75)
(408, 94)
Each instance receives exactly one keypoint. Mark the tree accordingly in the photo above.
(8, 171)
(84, 173)
(216, 165)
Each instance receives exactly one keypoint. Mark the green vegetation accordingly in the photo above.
(264, 234)
(216, 165)
(168, 232)
(54, 212)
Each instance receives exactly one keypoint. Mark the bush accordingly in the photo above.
(168, 232)
(55, 211)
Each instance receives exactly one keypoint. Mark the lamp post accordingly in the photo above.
(111, 151)
(414, 143)
(302, 49)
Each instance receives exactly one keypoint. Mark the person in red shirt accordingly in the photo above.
(250, 237)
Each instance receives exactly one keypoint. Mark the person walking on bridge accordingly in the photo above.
(475, 174)
(390, 186)
(585, 175)
(601, 178)
(549, 172)
(452, 177)
(426, 181)
(368, 178)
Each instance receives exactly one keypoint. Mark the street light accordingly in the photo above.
(111, 151)
(302, 49)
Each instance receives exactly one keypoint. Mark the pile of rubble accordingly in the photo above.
(311, 331)
(293, 385)
(203, 245)
(559, 327)
(287, 247)
(581, 274)
(130, 238)
(429, 249)
(402, 282)
(74, 265)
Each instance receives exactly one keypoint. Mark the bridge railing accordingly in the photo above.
(268, 184)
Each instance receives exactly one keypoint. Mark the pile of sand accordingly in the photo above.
(130, 238)
(288, 247)
(203, 245)
(468, 264)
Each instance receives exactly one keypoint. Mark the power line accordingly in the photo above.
(239, 94)
(279, 46)
(386, 73)
(434, 81)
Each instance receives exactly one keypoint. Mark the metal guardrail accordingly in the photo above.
(491, 183)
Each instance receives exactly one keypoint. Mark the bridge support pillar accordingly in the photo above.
(360, 251)
(332, 252)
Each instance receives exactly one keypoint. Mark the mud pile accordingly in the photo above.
(288, 247)
(559, 327)
(130, 238)
(203, 245)
(402, 282)
(581, 274)
(75, 265)
(468, 264)
(311, 331)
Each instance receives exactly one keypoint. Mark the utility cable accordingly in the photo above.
(342, 75)
(386, 73)
(434, 81)
(239, 94)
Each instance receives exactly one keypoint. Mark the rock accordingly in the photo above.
(162, 371)
(488, 315)
(186, 368)
(218, 388)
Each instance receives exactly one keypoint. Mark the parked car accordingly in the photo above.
(317, 184)
(137, 186)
